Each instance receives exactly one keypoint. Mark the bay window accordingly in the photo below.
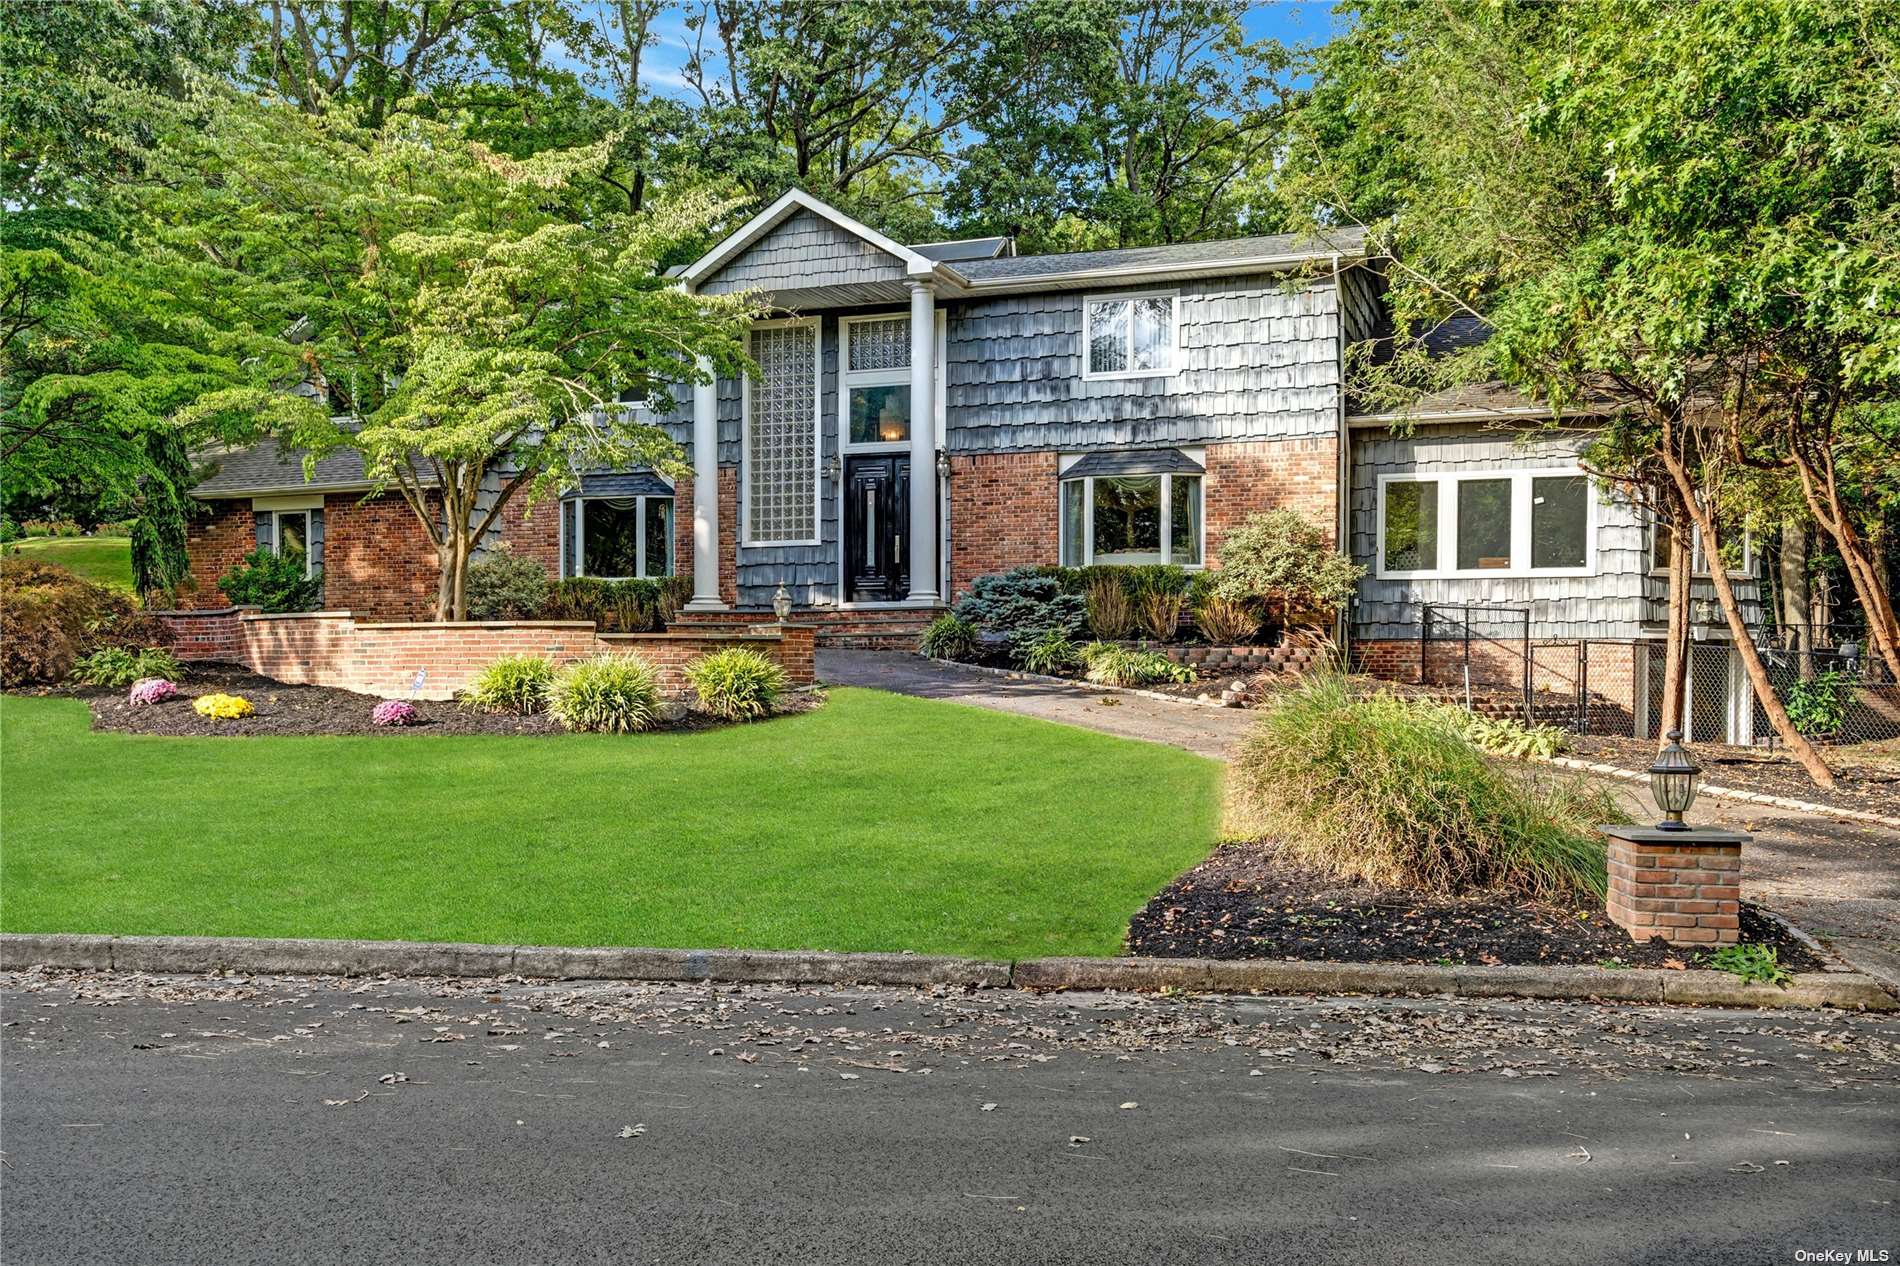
(1128, 336)
(1517, 523)
(1131, 519)
(617, 538)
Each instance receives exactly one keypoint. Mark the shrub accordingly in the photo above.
(9, 530)
(1110, 665)
(503, 586)
(1286, 561)
(622, 606)
(1161, 613)
(1227, 621)
(274, 582)
(513, 683)
(222, 707)
(1372, 787)
(1758, 964)
(119, 666)
(393, 712)
(50, 618)
(614, 693)
(1818, 706)
(1022, 605)
(1146, 579)
(1050, 654)
(1111, 610)
(736, 682)
(1501, 736)
(949, 638)
(151, 690)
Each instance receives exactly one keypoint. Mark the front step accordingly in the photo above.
(872, 628)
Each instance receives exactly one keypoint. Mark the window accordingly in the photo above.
(620, 538)
(297, 533)
(1129, 336)
(781, 435)
(1738, 551)
(1516, 523)
(877, 380)
(1131, 519)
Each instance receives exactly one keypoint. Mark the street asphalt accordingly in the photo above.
(229, 1120)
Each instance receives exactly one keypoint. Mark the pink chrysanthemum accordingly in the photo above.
(149, 690)
(393, 712)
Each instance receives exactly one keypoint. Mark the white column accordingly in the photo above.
(923, 443)
(706, 493)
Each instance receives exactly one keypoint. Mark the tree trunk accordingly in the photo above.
(1863, 567)
(1792, 738)
(1676, 654)
(1796, 597)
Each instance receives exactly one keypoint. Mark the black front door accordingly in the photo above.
(876, 523)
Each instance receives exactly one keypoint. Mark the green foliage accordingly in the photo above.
(1286, 561)
(1818, 706)
(1051, 654)
(619, 606)
(1227, 621)
(1161, 613)
(1752, 964)
(517, 684)
(50, 619)
(275, 582)
(1500, 736)
(736, 683)
(616, 694)
(505, 586)
(1109, 665)
(1111, 611)
(1022, 605)
(159, 561)
(949, 638)
(121, 666)
(1372, 787)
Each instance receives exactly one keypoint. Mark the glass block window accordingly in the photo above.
(874, 345)
(782, 435)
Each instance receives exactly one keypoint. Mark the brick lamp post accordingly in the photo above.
(1673, 880)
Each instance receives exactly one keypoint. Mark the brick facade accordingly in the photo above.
(1686, 893)
(1004, 513)
(377, 559)
(216, 541)
(1245, 479)
(728, 531)
(1610, 675)
(533, 531)
(332, 648)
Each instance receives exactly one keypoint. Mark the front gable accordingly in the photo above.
(805, 251)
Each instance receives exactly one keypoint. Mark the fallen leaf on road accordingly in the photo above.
(1130, 1104)
(627, 1131)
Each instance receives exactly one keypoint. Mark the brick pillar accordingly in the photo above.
(1684, 886)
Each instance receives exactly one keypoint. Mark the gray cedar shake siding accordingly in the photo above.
(803, 258)
(1620, 600)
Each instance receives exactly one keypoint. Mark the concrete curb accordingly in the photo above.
(1731, 793)
(197, 954)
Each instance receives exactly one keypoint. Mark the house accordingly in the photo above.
(927, 414)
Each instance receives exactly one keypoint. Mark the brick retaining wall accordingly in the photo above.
(331, 648)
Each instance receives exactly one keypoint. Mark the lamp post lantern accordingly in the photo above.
(1672, 780)
(782, 604)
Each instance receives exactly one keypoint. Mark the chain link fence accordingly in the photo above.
(1488, 660)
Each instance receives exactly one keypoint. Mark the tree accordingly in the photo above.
(410, 293)
(1624, 193)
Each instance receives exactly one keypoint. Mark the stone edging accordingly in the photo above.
(194, 954)
(1016, 674)
(1732, 793)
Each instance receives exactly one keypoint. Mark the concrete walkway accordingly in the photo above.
(1208, 731)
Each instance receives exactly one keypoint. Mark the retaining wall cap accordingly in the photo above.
(476, 624)
(252, 613)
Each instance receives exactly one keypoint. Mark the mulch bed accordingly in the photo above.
(1244, 901)
(1858, 786)
(322, 710)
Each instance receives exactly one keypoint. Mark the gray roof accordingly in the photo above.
(1138, 461)
(268, 467)
(1315, 243)
(966, 249)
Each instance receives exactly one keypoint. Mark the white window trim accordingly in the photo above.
(747, 538)
(277, 535)
(849, 378)
(640, 547)
(1698, 560)
(1174, 335)
(1520, 568)
(1167, 520)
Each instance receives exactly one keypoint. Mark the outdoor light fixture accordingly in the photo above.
(782, 604)
(943, 464)
(1672, 781)
(1849, 652)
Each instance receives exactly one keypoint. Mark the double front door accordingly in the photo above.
(876, 527)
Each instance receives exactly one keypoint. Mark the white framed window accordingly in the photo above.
(1131, 335)
(780, 448)
(1487, 523)
(874, 402)
(1132, 519)
(1740, 557)
(618, 538)
(294, 529)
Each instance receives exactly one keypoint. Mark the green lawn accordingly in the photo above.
(876, 823)
(107, 559)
